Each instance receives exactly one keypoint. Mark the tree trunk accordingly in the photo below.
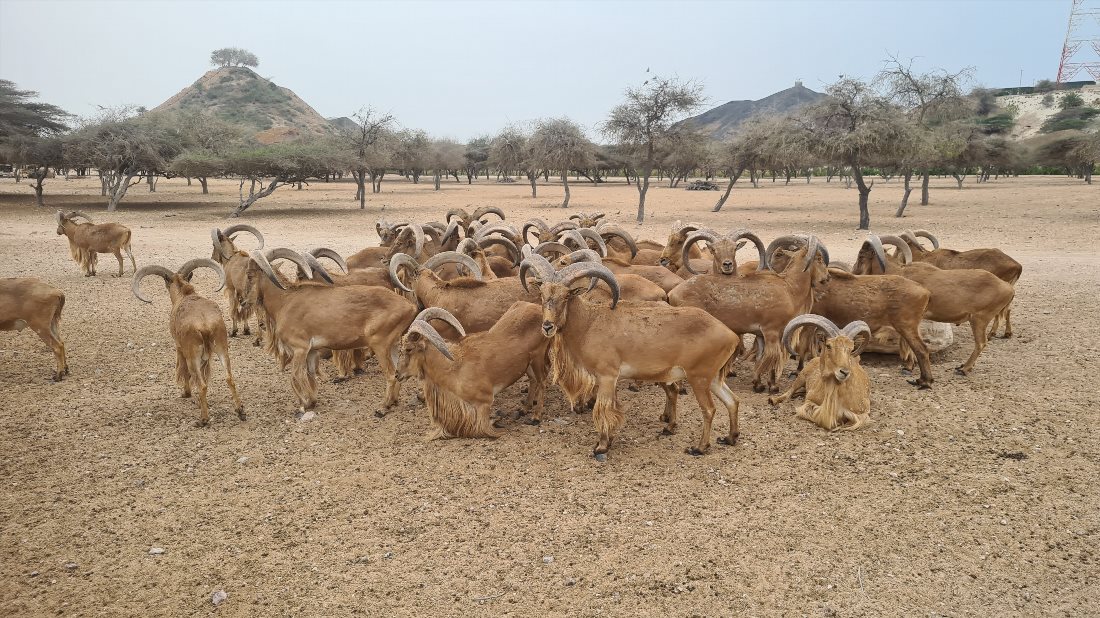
(188, 181)
(864, 193)
(905, 196)
(532, 178)
(39, 177)
(437, 179)
(150, 180)
(565, 185)
(924, 188)
(253, 195)
(959, 179)
(729, 189)
(119, 191)
(643, 187)
(202, 181)
(360, 176)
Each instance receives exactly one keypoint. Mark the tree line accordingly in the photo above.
(902, 123)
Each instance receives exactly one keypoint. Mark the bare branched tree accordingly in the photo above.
(643, 122)
(368, 145)
(510, 151)
(559, 144)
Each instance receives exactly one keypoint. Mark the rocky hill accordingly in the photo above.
(1033, 109)
(724, 120)
(239, 95)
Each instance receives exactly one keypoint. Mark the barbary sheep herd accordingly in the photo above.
(468, 306)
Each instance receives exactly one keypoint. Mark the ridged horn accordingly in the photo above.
(144, 272)
(214, 232)
(454, 257)
(590, 234)
(539, 224)
(305, 271)
(60, 217)
(439, 313)
(325, 252)
(485, 210)
(468, 246)
(544, 270)
(584, 255)
(452, 230)
(265, 266)
(555, 247)
(317, 269)
(569, 274)
(417, 233)
(614, 230)
(825, 324)
(78, 214)
(876, 247)
(190, 265)
(853, 330)
(508, 245)
(692, 238)
(457, 212)
(429, 333)
(926, 234)
(903, 247)
(496, 228)
(778, 242)
(754, 239)
(397, 261)
(558, 228)
(242, 227)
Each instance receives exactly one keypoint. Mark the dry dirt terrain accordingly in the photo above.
(979, 497)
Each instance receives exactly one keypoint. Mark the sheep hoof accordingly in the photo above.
(533, 421)
(380, 413)
(729, 441)
(960, 371)
(773, 401)
(694, 452)
(256, 343)
(792, 375)
(246, 332)
(758, 388)
(57, 377)
(683, 390)
(338, 379)
(667, 432)
(732, 374)
(906, 372)
(498, 424)
(240, 414)
(360, 372)
(633, 388)
(601, 457)
(185, 395)
(202, 424)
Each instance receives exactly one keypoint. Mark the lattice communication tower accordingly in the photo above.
(1082, 47)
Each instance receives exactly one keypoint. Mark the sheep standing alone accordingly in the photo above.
(198, 329)
(838, 392)
(28, 302)
(88, 240)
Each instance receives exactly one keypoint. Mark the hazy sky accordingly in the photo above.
(462, 69)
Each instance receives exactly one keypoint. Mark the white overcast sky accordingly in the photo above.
(461, 69)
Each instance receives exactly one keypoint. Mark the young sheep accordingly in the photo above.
(30, 302)
(198, 329)
(88, 240)
(461, 379)
(838, 392)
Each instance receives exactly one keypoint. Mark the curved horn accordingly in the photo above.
(508, 245)
(449, 257)
(78, 214)
(558, 228)
(325, 252)
(417, 236)
(571, 217)
(261, 260)
(214, 232)
(584, 255)
(190, 266)
(591, 234)
(495, 228)
(685, 228)
(533, 223)
(317, 269)
(754, 239)
(467, 246)
(457, 212)
(569, 274)
(876, 246)
(305, 271)
(906, 252)
(60, 217)
(397, 261)
(598, 216)
(775, 244)
(572, 235)
(543, 268)
(485, 210)
(926, 234)
(853, 330)
(690, 241)
(452, 230)
(614, 230)
(439, 313)
(428, 332)
(242, 227)
(556, 247)
(144, 272)
(824, 324)
(812, 247)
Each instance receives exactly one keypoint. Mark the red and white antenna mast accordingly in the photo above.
(1082, 47)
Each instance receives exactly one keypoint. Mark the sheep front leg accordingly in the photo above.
(724, 393)
(798, 384)
(49, 336)
(978, 326)
(670, 416)
(701, 388)
(606, 416)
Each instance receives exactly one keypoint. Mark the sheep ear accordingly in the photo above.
(578, 291)
(414, 336)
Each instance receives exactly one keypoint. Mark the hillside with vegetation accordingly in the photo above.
(241, 97)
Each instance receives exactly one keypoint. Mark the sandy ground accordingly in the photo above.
(977, 498)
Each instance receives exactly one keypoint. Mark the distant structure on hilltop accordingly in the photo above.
(1081, 49)
(240, 96)
(725, 120)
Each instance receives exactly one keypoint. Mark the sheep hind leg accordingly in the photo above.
(979, 326)
(183, 375)
(49, 336)
(606, 416)
(701, 388)
(724, 393)
(198, 373)
(300, 380)
(121, 262)
(130, 254)
(387, 363)
(223, 354)
(910, 339)
(670, 415)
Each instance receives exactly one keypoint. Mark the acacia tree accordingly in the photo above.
(411, 153)
(40, 152)
(366, 144)
(206, 139)
(233, 56)
(748, 150)
(123, 148)
(476, 158)
(931, 100)
(29, 131)
(511, 151)
(644, 121)
(559, 144)
(267, 168)
(445, 157)
(684, 151)
(856, 127)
